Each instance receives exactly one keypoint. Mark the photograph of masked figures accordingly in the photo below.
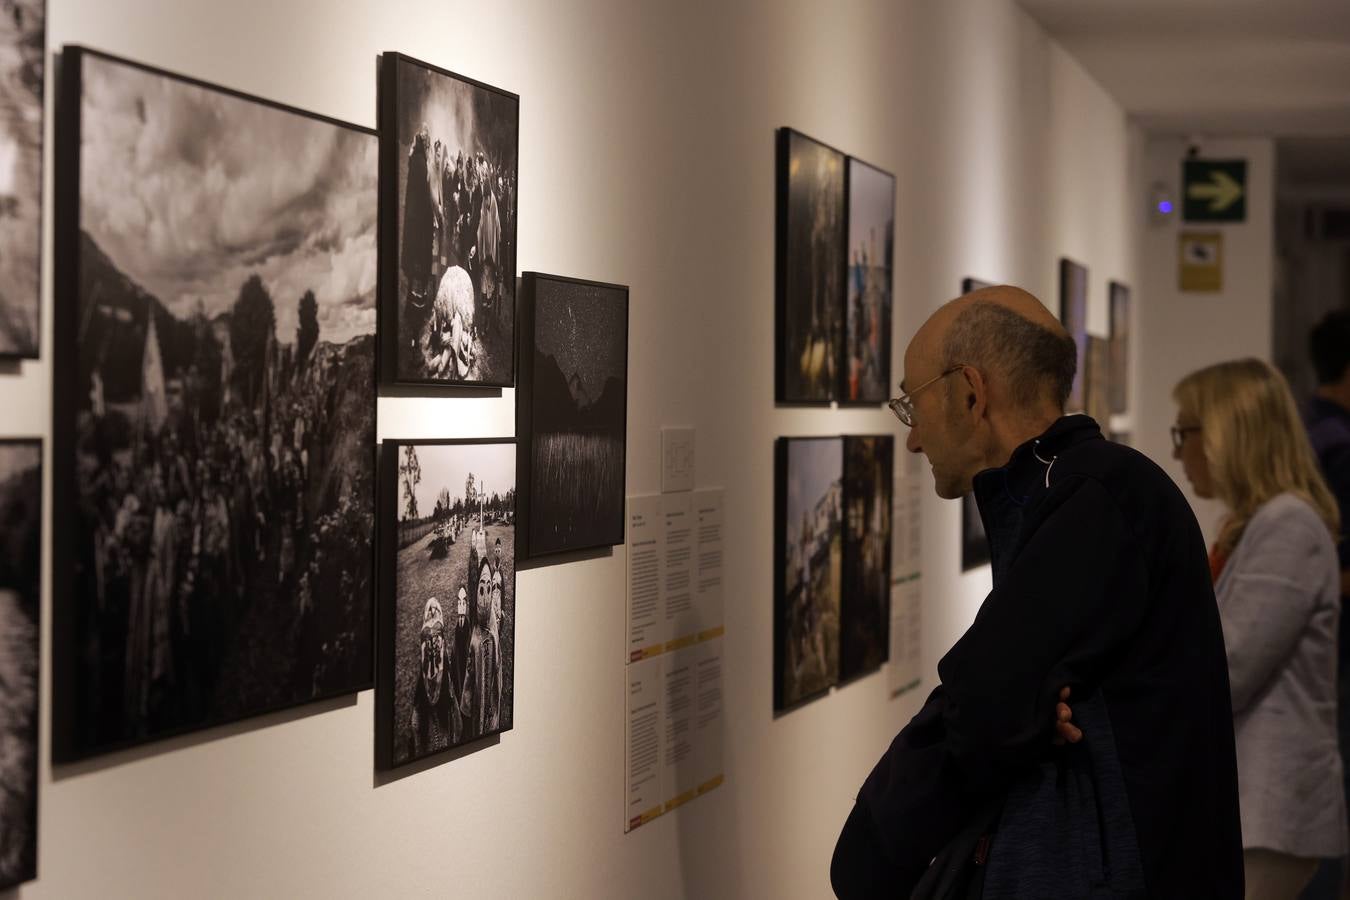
(22, 50)
(811, 245)
(215, 406)
(448, 164)
(20, 601)
(447, 596)
(809, 549)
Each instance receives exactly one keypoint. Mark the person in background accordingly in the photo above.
(1328, 420)
(1277, 580)
(1099, 586)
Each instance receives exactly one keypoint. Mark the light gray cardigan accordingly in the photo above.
(1279, 600)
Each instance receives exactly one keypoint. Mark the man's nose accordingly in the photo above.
(912, 442)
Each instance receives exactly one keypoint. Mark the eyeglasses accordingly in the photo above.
(1179, 434)
(903, 406)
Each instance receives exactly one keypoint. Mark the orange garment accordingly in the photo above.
(1217, 561)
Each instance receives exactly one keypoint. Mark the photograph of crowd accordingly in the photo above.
(449, 149)
(1073, 286)
(1120, 347)
(865, 614)
(572, 417)
(866, 369)
(974, 544)
(217, 404)
(809, 553)
(811, 261)
(448, 602)
(20, 598)
(22, 49)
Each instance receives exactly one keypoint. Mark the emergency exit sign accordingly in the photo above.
(1214, 190)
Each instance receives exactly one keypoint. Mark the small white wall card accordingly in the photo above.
(677, 459)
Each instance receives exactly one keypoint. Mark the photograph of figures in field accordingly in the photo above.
(1120, 347)
(22, 49)
(450, 595)
(866, 368)
(811, 250)
(449, 152)
(220, 402)
(1073, 286)
(865, 614)
(573, 416)
(974, 544)
(20, 596)
(810, 549)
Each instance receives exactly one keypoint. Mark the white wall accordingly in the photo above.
(1179, 332)
(647, 139)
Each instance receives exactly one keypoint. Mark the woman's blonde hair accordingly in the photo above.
(1254, 442)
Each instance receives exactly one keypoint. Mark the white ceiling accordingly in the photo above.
(1232, 67)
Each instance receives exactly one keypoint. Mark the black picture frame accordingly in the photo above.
(809, 279)
(1119, 294)
(865, 595)
(861, 384)
(974, 543)
(20, 655)
(807, 627)
(1098, 381)
(396, 140)
(24, 29)
(571, 466)
(1073, 310)
(86, 721)
(388, 715)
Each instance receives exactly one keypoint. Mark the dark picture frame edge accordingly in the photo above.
(387, 227)
(783, 146)
(66, 258)
(840, 392)
(387, 603)
(525, 321)
(1067, 265)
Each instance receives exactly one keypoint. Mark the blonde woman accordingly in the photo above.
(1277, 580)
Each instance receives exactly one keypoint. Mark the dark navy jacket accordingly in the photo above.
(1101, 583)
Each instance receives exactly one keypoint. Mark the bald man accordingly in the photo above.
(1101, 586)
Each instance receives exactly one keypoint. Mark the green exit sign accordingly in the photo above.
(1214, 190)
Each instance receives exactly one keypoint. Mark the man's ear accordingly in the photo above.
(974, 392)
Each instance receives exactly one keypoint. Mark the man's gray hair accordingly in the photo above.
(1034, 362)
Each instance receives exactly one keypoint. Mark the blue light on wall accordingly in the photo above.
(1165, 207)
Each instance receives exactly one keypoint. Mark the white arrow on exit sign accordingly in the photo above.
(1221, 191)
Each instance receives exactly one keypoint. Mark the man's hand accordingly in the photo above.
(1065, 730)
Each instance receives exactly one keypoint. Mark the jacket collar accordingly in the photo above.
(1031, 464)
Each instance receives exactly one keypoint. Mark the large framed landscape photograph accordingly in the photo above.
(1073, 299)
(449, 158)
(214, 416)
(865, 370)
(571, 414)
(447, 596)
(23, 43)
(865, 608)
(808, 563)
(811, 261)
(20, 620)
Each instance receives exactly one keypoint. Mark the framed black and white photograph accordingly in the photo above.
(808, 576)
(23, 42)
(571, 414)
(811, 262)
(214, 417)
(865, 611)
(974, 544)
(1073, 299)
(448, 169)
(447, 596)
(20, 602)
(865, 373)
(1120, 347)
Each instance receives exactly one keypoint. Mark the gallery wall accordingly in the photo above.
(647, 138)
(1180, 331)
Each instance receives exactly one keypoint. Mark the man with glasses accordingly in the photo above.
(1101, 591)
